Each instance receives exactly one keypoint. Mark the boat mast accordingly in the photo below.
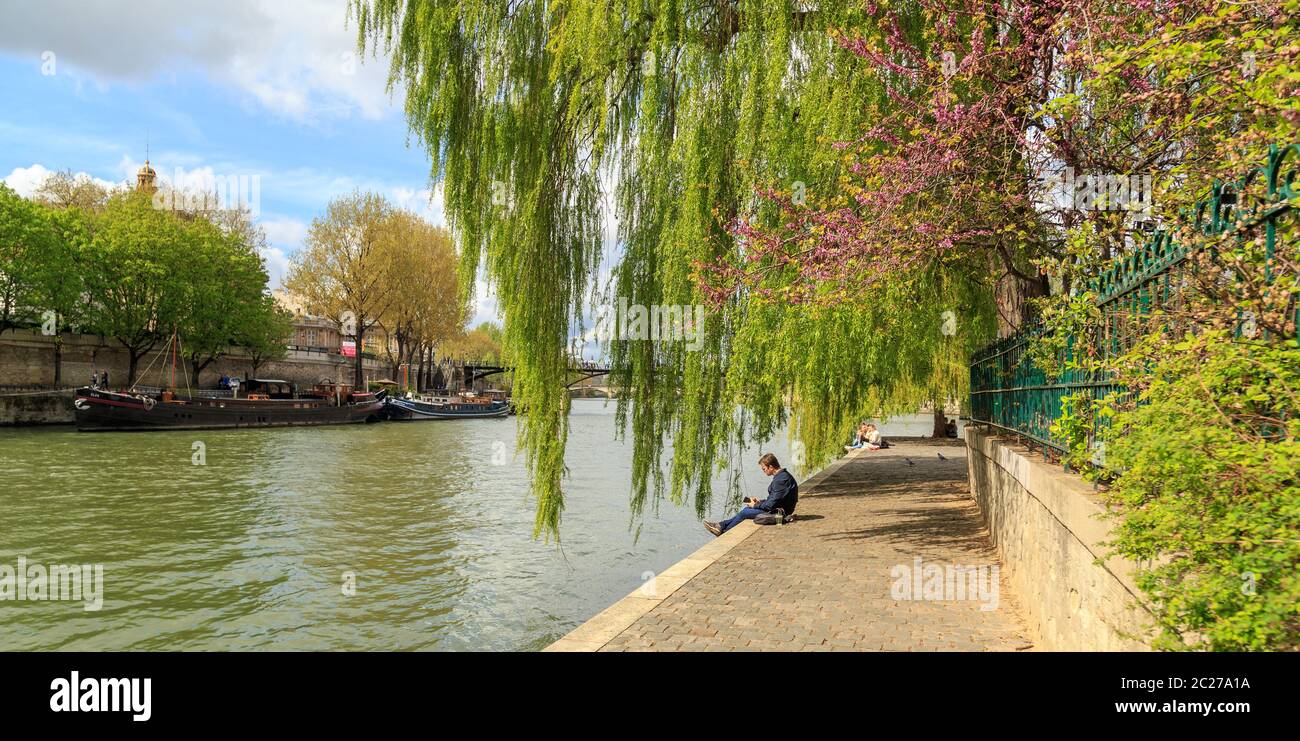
(173, 344)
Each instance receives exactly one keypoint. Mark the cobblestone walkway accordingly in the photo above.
(824, 582)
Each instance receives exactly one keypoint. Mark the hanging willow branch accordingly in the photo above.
(689, 109)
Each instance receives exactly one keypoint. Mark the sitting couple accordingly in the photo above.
(867, 437)
(782, 494)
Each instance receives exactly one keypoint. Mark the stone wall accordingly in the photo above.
(1048, 530)
(27, 365)
(28, 358)
(21, 407)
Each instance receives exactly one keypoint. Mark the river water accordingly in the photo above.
(392, 536)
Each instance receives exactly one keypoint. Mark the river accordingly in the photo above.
(396, 536)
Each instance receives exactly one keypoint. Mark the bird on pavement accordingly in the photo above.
(909, 461)
(941, 457)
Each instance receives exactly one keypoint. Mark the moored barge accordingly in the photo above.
(269, 404)
(444, 407)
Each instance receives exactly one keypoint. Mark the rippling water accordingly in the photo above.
(250, 550)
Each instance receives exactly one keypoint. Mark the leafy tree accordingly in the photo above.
(342, 267)
(476, 346)
(25, 238)
(61, 276)
(806, 173)
(264, 332)
(523, 106)
(1203, 469)
(63, 189)
(427, 305)
(224, 285)
(135, 274)
(1199, 456)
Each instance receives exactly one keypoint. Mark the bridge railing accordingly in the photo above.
(1010, 392)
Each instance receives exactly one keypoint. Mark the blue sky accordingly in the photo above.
(231, 88)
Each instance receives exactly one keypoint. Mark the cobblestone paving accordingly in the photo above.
(824, 582)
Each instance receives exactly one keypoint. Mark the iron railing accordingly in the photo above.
(1009, 391)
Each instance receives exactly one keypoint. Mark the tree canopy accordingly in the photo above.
(854, 189)
(111, 263)
(375, 265)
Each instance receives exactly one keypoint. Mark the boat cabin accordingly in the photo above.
(340, 392)
(268, 388)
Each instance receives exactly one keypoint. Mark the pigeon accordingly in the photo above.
(909, 461)
(941, 457)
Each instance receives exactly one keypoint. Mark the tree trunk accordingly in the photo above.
(58, 359)
(419, 373)
(131, 366)
(395, 361)
(198, 367)
(425, 365)
(940, 421)
(359, 380)
(1011, 294)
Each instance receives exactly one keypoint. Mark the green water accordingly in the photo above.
(250, 550)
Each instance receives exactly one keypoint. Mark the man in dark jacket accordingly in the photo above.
(782, 493)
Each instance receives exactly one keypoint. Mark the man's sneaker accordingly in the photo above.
(713, 527)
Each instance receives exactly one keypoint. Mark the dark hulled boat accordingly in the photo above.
(326, 404)
(444, 407)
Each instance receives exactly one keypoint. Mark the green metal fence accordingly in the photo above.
(1010, 392)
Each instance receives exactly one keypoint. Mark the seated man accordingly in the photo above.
(874, 440)
(782, 493)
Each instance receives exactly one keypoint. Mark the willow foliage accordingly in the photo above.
(540, 115)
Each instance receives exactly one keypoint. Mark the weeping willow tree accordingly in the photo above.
(538, 116)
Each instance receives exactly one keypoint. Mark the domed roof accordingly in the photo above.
(144, 177)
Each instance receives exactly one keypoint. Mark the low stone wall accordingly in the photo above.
(1048, 530)
(27, 364)
(28, 358)
(19, 407)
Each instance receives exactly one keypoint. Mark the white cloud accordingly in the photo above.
(277, 264)
(284, 231)
(423, 202)
(297, 59)
(25, 180)
(284, 235)
(486, 307)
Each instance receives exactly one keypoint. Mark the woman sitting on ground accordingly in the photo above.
(859, 437)
(868, 437)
